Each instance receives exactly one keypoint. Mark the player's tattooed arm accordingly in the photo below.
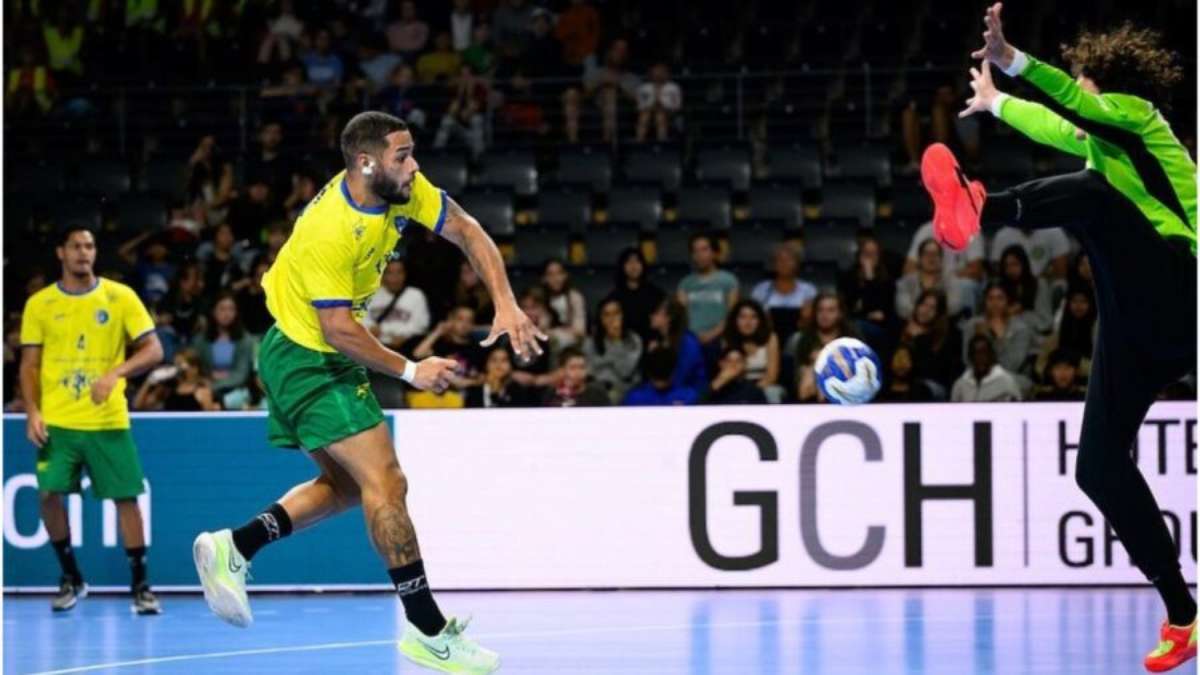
(393, 535)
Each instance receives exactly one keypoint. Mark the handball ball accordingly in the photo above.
(848, 371)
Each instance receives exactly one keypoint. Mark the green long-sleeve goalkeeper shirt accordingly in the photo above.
(1128, 142)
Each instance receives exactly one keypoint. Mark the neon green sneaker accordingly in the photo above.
(449, 651)
(222, 571)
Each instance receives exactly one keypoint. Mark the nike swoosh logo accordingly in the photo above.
(443, 654)
(233, 566)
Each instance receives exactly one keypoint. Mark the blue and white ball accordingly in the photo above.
(848, 371)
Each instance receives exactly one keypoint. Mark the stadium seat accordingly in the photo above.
(782, 203)
(639, 205)
(567, 208)
(751, 246)
(447, 171)
(823, 275)
(729, 165)
(796, 163)
(76, 209)
(585, 166)
(604, 247)
(165, 175)
(867, 161)
(655, 164)
(849, 199)
(830, 242)
(672, 247)
(516, 171)
(141, 212)
(108, 177)
(492, 208)
(33, 179)
(534, 247)
(910, 202)
(594, 282)
(1009, 161)
(706, 207)
(896, 236)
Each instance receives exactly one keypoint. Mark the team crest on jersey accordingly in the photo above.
(401, 222)
(359, 230)
(101, 316)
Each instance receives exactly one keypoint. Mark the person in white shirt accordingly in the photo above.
(462, 25)
(397, 312)
(965, 264)
(985, 381)
(658, 100)
(1049, 250)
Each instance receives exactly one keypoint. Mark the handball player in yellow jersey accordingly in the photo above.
(74, 335)
(313, 365)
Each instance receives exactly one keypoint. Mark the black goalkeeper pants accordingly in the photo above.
(1146, 298)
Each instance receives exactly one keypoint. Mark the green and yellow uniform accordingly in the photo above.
(83, 336)
(334, 258)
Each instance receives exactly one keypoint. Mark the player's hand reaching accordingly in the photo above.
(434, 374)
(995, 48)
(35, 428)
(985, 91)
(522, 334)
(102, 387)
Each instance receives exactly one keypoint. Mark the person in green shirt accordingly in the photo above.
(1134, 210)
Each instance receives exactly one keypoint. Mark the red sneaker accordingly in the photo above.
(1177, 644)
(957, 202)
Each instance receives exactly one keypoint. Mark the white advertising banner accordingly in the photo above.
(880, 495)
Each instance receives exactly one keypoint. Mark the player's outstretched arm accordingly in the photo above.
(351, 338)
(1034, 120)
(466, 232)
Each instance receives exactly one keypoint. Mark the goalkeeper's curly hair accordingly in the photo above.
(1127, 60)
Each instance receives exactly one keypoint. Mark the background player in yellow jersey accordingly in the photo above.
(312, 366)
(74, 336)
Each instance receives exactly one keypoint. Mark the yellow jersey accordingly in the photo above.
(336, 255)
(82, 336)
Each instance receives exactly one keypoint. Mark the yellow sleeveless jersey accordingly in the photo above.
(83, 336)
(336, 255)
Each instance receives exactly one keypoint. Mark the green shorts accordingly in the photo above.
(314, 398)
(109, 456)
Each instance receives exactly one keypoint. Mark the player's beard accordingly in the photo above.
(389, 190)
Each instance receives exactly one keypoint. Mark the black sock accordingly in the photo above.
(1002, 208)
(66, 560)
(137, 567)
(1181, 608)
(266, 527)
(414, 592)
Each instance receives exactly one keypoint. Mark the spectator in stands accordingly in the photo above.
(1048, 250)
(402, 98)
(324, 67)
(284, 33)
(64, 37)
(1011, 336)
(1075, 331)
(252, 301)
(639, 297)
(480, 56)
(985, 381)
(613, 350)
(181, 387)
(966, 264)
(669, 329)
(209, 179)
(935, 342)
(1030, 294)
(469, 291)
(222, 267)
(397, 312)
(567, 304)
(1080, 273)
(408, 35)
(186, 303)
(829, 323)
(708, 292)
(659, 101)
(376, 63)
(571, 387)
(870, 293)
(543, 54)
(451, 339)
(270, 161)
(225, 350)
(276, 236)
(534, 371)
(578, 29)
(31, 88)
(462, 25)
(441, 64)
(900, 385)
(464, 116)
(1060, 378)
(293, 100)
(786, 297)
(660, 386)
(12, 365)
(153, 272)
(305, 184)
(749, 329)
(606, 85)
(498, 389)
(730, 386)
(931, 275)
(512, 20)
(254, 206)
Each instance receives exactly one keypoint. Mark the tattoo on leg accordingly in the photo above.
(393, 535)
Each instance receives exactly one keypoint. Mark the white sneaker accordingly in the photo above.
(449, 651)
(222, 571)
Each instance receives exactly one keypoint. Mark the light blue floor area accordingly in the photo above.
(704, 632)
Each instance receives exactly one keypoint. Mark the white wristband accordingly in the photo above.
(1018, 63)
(410, 371)
(998, 103)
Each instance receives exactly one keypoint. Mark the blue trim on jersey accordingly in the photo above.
(369, 210)
(78, 293)
(437, 229)
(326, 304)
(144, 334)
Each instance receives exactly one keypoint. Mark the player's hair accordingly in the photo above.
(569, 353)
(1126, 60)
(65, 232)
(367, 132)
(733, 335)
